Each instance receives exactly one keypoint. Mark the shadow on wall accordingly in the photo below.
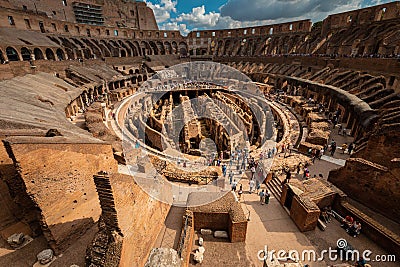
(73, 248)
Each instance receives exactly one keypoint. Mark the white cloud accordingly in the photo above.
(199, 18)
(242, 10)
(174, 26)
(162, 11)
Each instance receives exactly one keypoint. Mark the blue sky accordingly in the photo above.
(187, 15)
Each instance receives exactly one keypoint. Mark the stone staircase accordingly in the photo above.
(274, 187)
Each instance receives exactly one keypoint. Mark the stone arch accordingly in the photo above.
(12, 54)
(135, 47)
(50, 54)
(126, 47)
(226, 47)
(160, 47)
(123, 52)
(146, 49)
(25, 54)
(103, 49)
(220, 46)
(140, 78)
(114, 51)
(60, 54)
(114, 43)
(183, 49)
(2, 59)
(153, 48)
(96, 51)
(87, 53)
(168, 48)
(38, 54)
(175, 47)
(91, 94)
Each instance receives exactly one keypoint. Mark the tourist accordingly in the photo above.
(234, 184)
(333, 148)
(321, 152)
(288, 175)
(344, 132)
(258, 185)
(298, 168)
(224, 170)
(326, 215)
(362, 263)
(347, 221)
(306, 172)
(355, 229)
(350, 148)
(251, 185)
(266, 197)
(344, 147)
(262, 197)
(317, 153)
(253, 172)
(240, 191)
(230, 177)
(269, 153)
(243, 166)
(340, 129)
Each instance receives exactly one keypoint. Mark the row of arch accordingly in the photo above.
(287, 44)
(378, 38)
(89, 95)
(26, 54)
(84, 48)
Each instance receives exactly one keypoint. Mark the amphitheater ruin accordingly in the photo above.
(123, 144)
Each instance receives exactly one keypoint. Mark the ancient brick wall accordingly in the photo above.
(140, 218)
(213, 221)
(304, 213)
(124, 13)
(58, 180)
(361, 16)
(237, 231)
(371, 184)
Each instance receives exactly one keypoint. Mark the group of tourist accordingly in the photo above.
(351, 226)
(264, 196)
(327, 214)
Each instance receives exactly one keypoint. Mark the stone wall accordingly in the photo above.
(304, 213)
(124, 13)
(57, 178)
(371, 184)
(237, 231)
(213, 221)
(140, 218)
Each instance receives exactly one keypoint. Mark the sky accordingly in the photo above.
(188, 15)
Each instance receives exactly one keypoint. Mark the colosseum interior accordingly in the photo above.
(98, 109)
